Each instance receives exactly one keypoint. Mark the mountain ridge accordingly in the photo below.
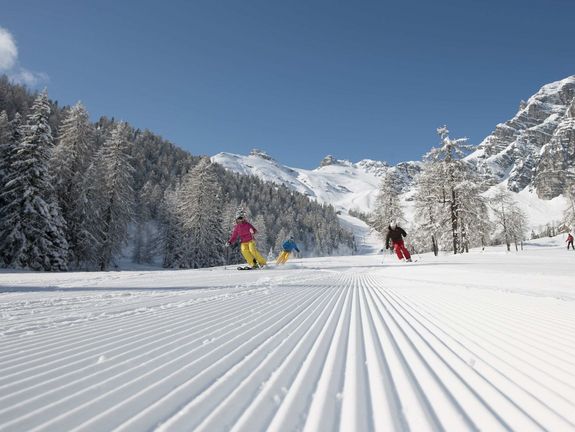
(532, 154)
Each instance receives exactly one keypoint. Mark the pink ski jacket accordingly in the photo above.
(244, 230)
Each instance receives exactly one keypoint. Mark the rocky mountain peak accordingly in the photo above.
(328, 160)
(515, 150)
(261, 154)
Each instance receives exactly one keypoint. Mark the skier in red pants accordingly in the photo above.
(570, 242)
(395, 233)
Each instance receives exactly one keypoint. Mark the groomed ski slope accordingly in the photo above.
(482, 341)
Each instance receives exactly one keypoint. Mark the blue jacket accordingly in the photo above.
(289, 245)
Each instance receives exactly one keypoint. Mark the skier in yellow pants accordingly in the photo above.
(251, 254)
(288, 246)
(245, 231)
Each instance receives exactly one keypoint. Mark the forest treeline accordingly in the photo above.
(77, 194)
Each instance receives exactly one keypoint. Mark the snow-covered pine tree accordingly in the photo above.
(117, 196)
(8, 214)
(5, 150)
(200, 210)
(509, 218)
(429, 214)
(262, 235)
(69, 165)
(232, 254)
(387, 204)
(519, 221)
(171, 237)
(145, 233)
(474, 225)
(450, 170)
(32, 229)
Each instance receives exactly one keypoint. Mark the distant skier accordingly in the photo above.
(245, 232)
(570, 241)
(288, 247)
(395, 233)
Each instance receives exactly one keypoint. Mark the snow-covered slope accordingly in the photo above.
(535, 148)
(353, 186)
(343, 184)
(479, 341)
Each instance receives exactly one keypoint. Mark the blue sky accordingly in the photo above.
(301, 78)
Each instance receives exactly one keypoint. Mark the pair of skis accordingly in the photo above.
(250, 268)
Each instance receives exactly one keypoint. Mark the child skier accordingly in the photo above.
(245, 231)
(395, 233)
(288, 246)
(570, 241)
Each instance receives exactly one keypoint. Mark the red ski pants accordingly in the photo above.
(400, 249)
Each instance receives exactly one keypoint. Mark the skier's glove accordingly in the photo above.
(387, 246)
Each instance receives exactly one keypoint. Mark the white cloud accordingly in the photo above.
(10, 66)
(25, 76)
(8, 50)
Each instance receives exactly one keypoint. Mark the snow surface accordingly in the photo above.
(480, 341)
(346, 186)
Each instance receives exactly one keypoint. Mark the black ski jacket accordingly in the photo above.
(394, 234)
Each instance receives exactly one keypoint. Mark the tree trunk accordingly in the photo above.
(453, 207)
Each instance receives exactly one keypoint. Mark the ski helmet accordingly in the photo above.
(240, 214)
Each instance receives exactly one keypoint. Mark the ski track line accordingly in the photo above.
(217, 373)
(325, 406)
(137, 295)
(114, 309)
(382, 387)
(451, 415)
(334, 350)
(560, 418)
(114, 322)
(137, 377)
(69, 338)
(451, 369)
(56, 341)
(524, 318)
(104, 332)
(470, 391)
(188, 318)
(149, 393)
(243, 395)
(511, 378)
(535, 359)
(561, 422)
(415, 410)
(66, 336)
(294, 399)
(541, 350)
(566, 325)
(356, 411)
(486, 310)
(153, 341)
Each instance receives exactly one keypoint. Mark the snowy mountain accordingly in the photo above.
(533, 154)
(341, 183)
(535, 149)
(353, 186)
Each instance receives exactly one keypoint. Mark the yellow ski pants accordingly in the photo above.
(283, 257)
(250, 253)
